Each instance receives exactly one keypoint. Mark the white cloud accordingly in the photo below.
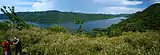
(119, 10)
(22, 6)
(42, 5)
(118, 6)
(14, 3)
(156, 1)
(110, 6)
(17, 3)
(117, 2)
(125, 2)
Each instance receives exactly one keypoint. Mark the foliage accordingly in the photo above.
(147, 19)
(99, 32)
(14, 20)
(54, 16)
(36, 41)
(80, 23)
(4, 26)
(57, 29)
(114, 31)
(140, 21)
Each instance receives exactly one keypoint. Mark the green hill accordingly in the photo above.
(58, 16)
(149, 19)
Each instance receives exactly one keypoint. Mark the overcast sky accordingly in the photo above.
(85, 6)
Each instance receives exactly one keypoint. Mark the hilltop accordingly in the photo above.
(148, 19)
(58, 16)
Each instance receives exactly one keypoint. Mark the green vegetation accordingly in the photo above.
(149, 19)
(54, 16)
(14, 20)
(138, 35)
(80, 22)
(37, 41)
(57, 29)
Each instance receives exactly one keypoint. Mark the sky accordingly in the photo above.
(84, 6)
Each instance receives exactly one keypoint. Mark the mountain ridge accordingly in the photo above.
(148, 19)
(58, 16)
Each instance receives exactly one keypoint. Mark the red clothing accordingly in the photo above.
(5, 46)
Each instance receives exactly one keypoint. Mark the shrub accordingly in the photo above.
(57, 28)
(36, 41)
(4, 26)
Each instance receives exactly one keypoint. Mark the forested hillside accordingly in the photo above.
(58, 16)
(149, 19)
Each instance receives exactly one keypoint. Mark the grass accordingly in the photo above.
(37, 41)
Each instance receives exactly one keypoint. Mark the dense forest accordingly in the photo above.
(58, 16)
(137, 35)
(149, 19)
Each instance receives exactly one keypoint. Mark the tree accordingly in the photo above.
(14, 20)
(80, 22)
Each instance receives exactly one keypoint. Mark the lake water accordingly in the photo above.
(89, 25)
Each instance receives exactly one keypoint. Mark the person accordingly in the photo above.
(17, 44)
(6, 47)
(9, 50)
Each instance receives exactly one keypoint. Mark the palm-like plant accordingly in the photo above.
(14, 20)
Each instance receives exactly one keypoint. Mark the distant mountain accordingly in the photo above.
(58, 16)
(148, 19)
(2, 16)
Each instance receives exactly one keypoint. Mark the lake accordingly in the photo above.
(89, 25)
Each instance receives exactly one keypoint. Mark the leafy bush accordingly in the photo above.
(98, 32)
(57, 28)
(36, 41)
(4, 26)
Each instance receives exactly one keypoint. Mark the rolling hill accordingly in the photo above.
(58, 16)
(148, 19)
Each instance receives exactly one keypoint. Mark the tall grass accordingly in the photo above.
(36, 41)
